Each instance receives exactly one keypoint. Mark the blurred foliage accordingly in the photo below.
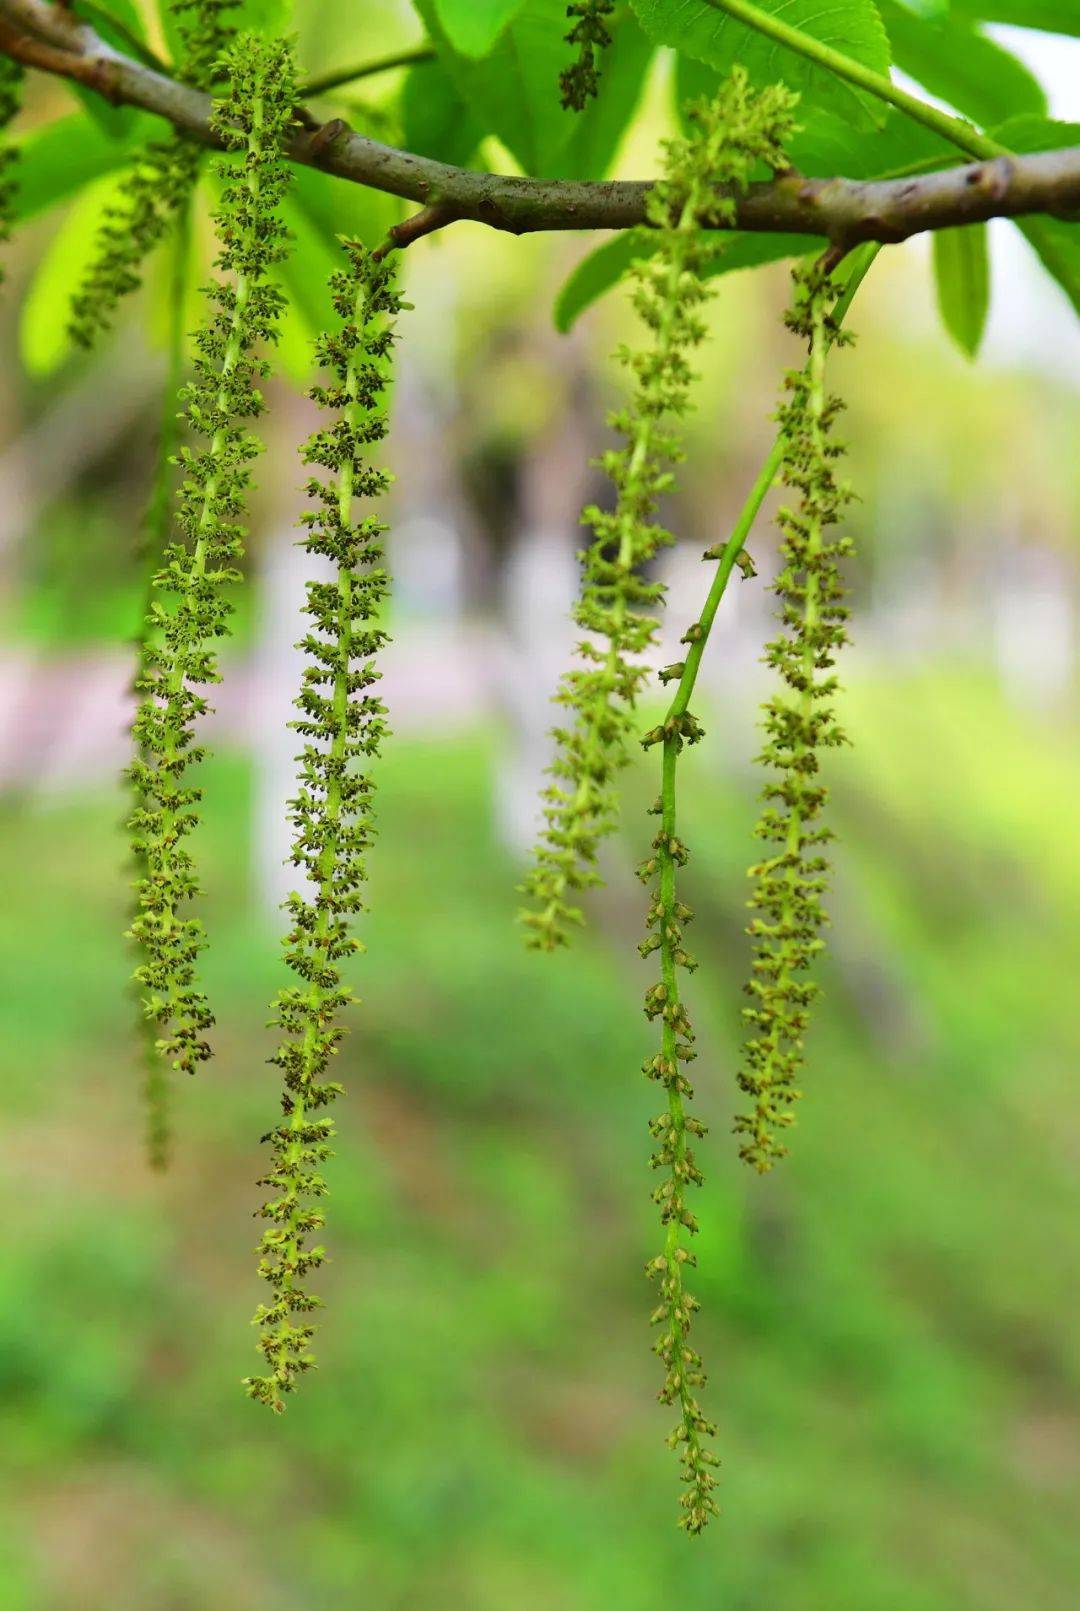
(896, 1346)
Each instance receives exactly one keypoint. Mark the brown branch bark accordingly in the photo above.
(842, 211)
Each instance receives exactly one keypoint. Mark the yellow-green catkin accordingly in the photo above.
(157, 526)
(191, 609)
(342, 724)
(799, 723)
(157, 187)
(730, 137)
(11, 80)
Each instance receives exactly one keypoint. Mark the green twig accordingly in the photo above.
(383, 64)
(699, 633)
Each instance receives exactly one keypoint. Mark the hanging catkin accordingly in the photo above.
(191, 610)
(799, 723)
(342, 725)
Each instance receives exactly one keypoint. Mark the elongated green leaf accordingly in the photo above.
(44, 326)
(119, 24)
(1056, 16)
(597, 132)
(514, 91)
(711, 36)
(1056, 242)
(435, 121)
(511, 91)
(263, 16)
(472, 26)
(1057, 245)
(597, 273)
(957, 63)
(58, 159)
(1027, 133)
(962, 278)
(606, 266)
(118, 21)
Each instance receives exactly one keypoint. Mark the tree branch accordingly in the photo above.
(843, 211)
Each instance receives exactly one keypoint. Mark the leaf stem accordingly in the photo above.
(957, 130)
(324, 82)
(862, 260)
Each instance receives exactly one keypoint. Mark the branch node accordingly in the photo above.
(324, 136)
(435, 216)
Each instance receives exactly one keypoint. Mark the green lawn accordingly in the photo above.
(890, 1320)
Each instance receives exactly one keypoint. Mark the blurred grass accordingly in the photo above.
(890, 1320)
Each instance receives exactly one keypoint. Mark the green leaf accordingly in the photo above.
(1056, 242)
(514, 91)
(114, 120)
(334, 209)
(43, 327)
(605, 266)
(962, 278)
(1056, 16)
(597, 132)
(435, 121)
(58, 159)
(1026, 133)
(118, 21)
(596, 273)
(828, 145)
(510, 92)
(472, 26)
(262, 16)
(708, 34)
(1057, 245)
(926, 8)
(960, 65)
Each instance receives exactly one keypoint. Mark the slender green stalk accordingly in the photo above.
(666, 921)
(961, 133)
(331, 813)
(697, 636)
(729, 137)
(382, 64)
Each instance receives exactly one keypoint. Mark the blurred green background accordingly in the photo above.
(890, 1320)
